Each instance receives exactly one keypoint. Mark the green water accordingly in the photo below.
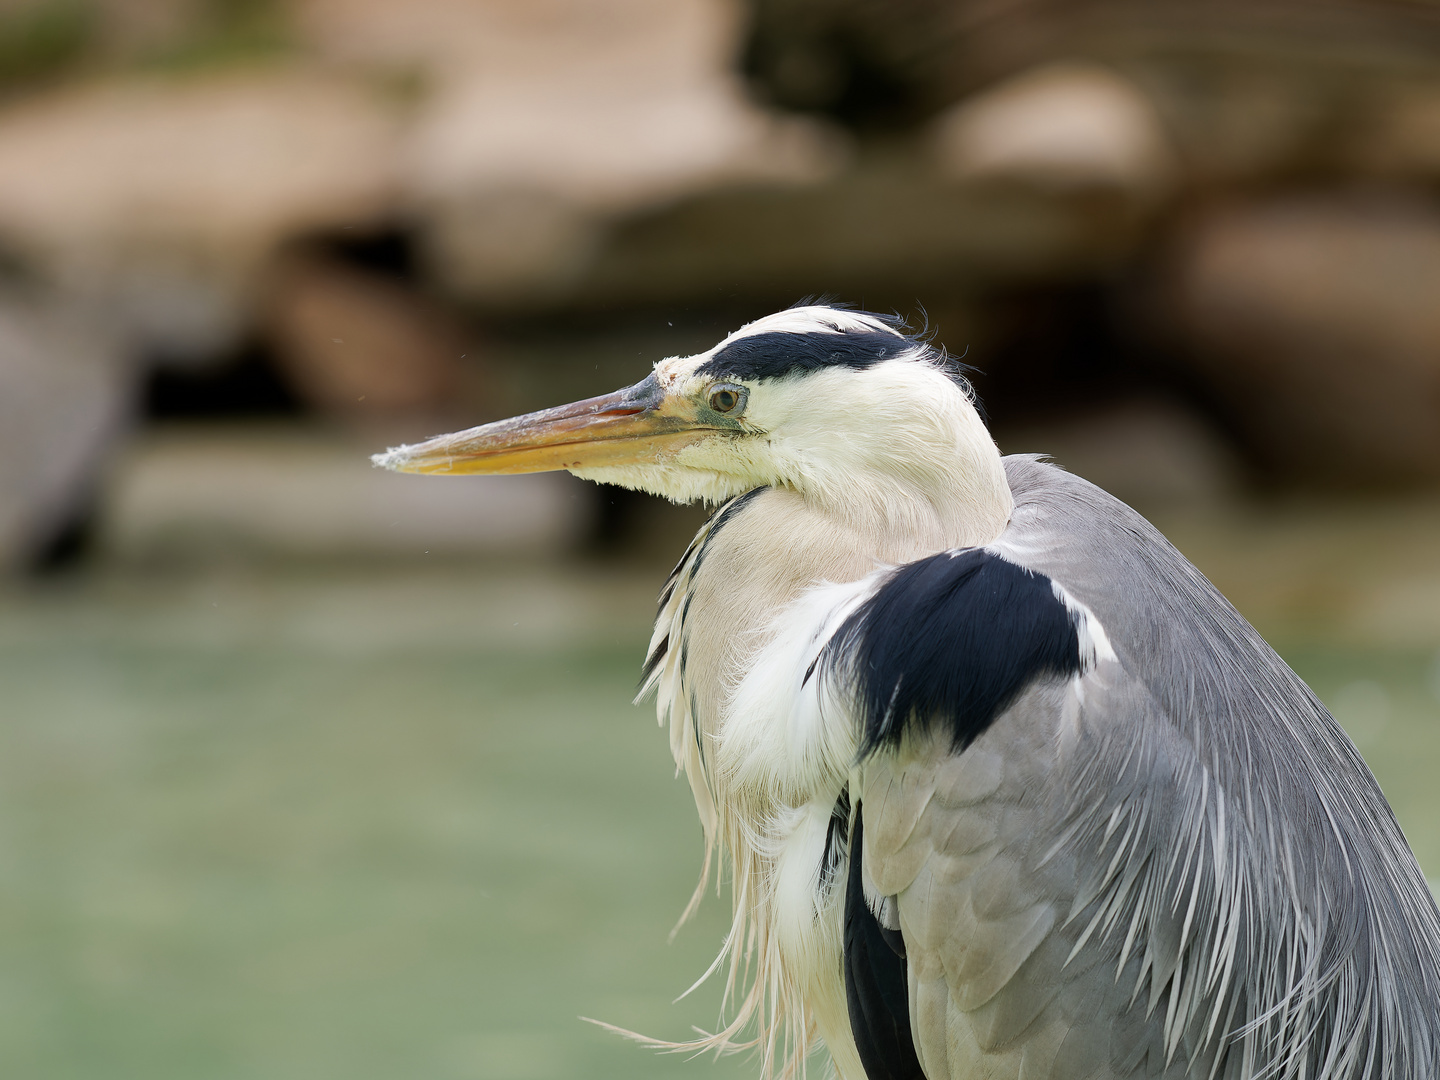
(236, 843)
(378, 823)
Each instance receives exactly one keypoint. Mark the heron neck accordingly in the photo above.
(932, 503)
(899, 521)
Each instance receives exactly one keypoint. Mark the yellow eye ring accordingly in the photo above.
(726, 398)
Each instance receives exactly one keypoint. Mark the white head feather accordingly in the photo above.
(895, 445)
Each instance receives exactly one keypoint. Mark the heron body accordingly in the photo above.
(1008, 790)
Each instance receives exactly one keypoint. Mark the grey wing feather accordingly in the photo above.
(1173, 865)
(1013, 973)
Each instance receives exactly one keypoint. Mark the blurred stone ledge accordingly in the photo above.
(545, 160)
(189, 494)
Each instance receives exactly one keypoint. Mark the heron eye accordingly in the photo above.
(725, 399)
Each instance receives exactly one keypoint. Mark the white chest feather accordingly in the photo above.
(766, 755)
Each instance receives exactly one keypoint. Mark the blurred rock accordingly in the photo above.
(888, 231)
(140, 26)
(158, 198)
(1402, 137)
(1152, 454)
(1247, 90)
(1315, 320)
(65, 394)
(1063, 126)
(512, 246)
(1237, 119)
(361, 344)
(541, 122)
(198, 493)
(41, 39)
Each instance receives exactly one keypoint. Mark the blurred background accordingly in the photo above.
(311, 771)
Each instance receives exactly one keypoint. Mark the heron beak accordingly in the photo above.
(637, 424)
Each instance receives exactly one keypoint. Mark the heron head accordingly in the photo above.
(841, 406)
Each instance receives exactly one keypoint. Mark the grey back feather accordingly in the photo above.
(1272, 909)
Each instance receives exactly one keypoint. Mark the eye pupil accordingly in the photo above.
(724, 400)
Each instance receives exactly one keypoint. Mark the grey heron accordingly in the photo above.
(1006, 787)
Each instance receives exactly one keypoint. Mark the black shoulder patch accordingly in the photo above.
(772, 355)
(952, 639)
(877, 982)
